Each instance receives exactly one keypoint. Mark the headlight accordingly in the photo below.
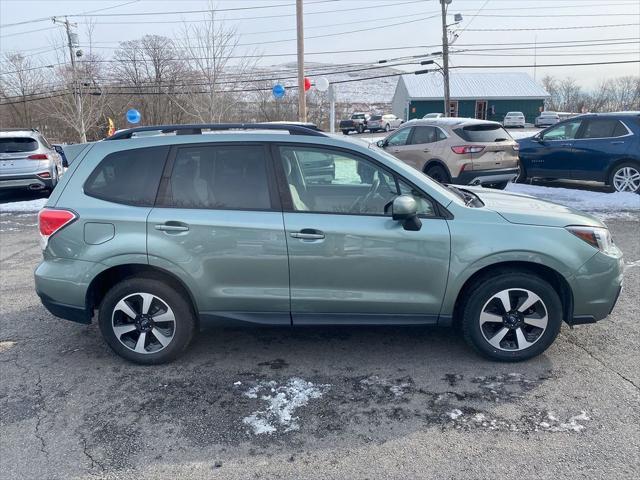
(597, 237)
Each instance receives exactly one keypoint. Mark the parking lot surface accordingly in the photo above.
(313, 402)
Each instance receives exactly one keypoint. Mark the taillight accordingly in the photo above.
(52, 220)
(516, 148)
(38, 156)
(462, 149)
(44, 175)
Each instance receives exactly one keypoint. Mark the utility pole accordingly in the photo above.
(77, 92)
(445, 57)
(302, 100)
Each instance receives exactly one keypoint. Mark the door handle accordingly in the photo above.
(617, 142)
(308, 234)
(163, 227)
(565, 145)
(395, 150)
(426, 150)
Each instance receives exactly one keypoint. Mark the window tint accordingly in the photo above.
(17, 144)
(360, 187)
(130, 176)
(483, 132)
(604, 128)
(220, 177)
(423, 135)
(565, 131)
(440, 134)
(375, 117)
(399, 138)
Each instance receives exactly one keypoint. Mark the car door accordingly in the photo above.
(425, 145)
(554, 155)
(397, 144)
(217, 225)
(349, 261)
(601, 142)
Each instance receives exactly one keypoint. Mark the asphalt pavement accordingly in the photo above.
(325, 403)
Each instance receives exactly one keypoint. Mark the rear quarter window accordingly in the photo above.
(482, 133)
(18, 144)
(131, 177)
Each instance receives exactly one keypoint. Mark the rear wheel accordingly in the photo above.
(438, 173)
(626, 178)
(511, 316)
(387, 127)
(146, 321)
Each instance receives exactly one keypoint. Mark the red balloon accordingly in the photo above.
(307, 84)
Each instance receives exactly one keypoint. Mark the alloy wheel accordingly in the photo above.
(144, 323)
(513, 319)
(626, 179)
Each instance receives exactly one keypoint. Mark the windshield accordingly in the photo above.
(483, 132)
(17, 144)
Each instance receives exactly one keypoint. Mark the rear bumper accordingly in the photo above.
(485, 177)
(66, 312)
(32, 182)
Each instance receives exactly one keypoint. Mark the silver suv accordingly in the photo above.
(27, 160)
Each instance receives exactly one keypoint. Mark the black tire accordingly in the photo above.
(184, 325)
(346, 132)
(616, 169)
(387, 127)
(498, 186)
(484, 289)
(438, 173)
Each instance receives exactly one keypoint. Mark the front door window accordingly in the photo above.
(564, 131)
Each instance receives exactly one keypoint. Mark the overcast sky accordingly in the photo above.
(388, 23)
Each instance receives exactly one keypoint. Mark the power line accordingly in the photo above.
(574, 27)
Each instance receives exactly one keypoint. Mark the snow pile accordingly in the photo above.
(553, 424)
(604, 205)
(282, 401)
(26, 206)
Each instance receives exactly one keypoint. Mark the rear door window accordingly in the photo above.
(130, 176)
(483, 132)
(224, 177)
(423, 135)
(604, 128)
(18, 144)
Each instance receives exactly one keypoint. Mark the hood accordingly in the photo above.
(525, 209)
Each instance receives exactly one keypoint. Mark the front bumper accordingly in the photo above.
(486, 177)
(596, 287)
(32, 182)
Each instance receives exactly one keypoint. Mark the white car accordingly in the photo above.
(546, 119)
(514, 119)
(434, 115)
(383, 122)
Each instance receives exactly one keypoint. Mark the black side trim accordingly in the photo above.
(581, 320)
(362, 319)
(66, 312)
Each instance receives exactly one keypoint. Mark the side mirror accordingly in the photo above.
(405, 209)
(381, 143)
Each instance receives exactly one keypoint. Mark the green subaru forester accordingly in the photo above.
(161, 230)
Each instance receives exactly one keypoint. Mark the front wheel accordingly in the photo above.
(146, 321)
(345, 132)
(360, 129)
(626, 178)
(511, 316)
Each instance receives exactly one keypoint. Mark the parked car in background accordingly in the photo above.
(386, 122)
(514, 119)
(357, 122)
(457, 150)
(546, 119)
(226, 228)
(602, 147)
(434, 115)
(28, 161)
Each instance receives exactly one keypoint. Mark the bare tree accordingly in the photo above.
(21, 81)
(216, 81)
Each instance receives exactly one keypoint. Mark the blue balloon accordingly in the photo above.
(133, 116)
(278, 91)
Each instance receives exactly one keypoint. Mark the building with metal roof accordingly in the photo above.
(486, 96)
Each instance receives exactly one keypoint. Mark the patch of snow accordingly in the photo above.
(25, 206)
(282, 402)
(454, 414)
(399, 390)
(571, 425)
(633, 264)
(603, 205)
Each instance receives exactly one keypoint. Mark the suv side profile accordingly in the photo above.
(601, 147)
(157, 236)
(27, 160)
(457, 150)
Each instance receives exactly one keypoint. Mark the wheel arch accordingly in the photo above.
(106, 279)
(553, 277)
(616, 164)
